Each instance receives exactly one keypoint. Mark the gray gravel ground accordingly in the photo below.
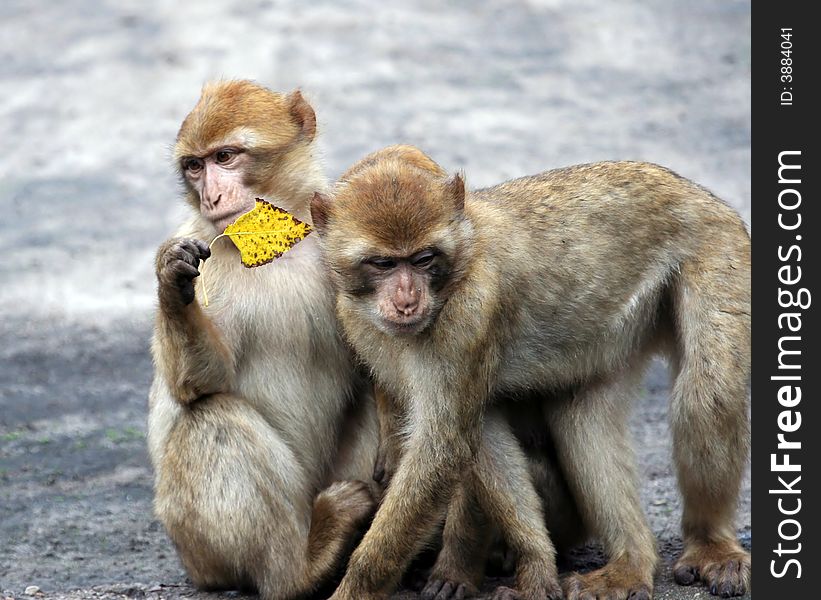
(92, 95)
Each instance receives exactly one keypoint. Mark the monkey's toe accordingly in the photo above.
(723, 568)
(727, 580)
(439, 589)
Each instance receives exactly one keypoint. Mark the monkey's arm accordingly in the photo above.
(191, 353)
(445, 431)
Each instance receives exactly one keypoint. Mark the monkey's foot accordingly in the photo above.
(505, 593)
(532, 585)
(349, 500)
(723, 567)
(339, 595)
(614, 581)
(536, 579)
(448, 589)
(451, 579)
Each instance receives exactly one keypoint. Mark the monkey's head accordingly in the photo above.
(396, 240)
(242, 141)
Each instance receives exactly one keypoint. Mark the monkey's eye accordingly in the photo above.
(381, 262)
(225, 155)
(192, 165)
(423, 259)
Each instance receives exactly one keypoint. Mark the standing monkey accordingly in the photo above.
(256, 407)
(560, 285)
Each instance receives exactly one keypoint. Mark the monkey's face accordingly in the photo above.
(400, 294)
(235, 144)
(393, 237)
(218, 180)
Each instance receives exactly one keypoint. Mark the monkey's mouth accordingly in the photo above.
(410, 325)
(221, 222)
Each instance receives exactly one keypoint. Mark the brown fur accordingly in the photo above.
(557, 286)
(391, 439)
(256, 407)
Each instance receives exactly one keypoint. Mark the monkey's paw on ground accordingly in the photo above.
(505, 593)
(446, 589)
(604, 584)
(725, 571)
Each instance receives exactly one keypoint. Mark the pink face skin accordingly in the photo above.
(403, 302)
(218, 180)
(403, 291)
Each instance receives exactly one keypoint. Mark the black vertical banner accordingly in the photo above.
(786, 299)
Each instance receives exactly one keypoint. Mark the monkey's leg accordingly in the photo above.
(503, 486)
(444, 438)
(240, 510)
(466, 539)
(564, 523)
(593, 445)
(358, 441)
(710, 425)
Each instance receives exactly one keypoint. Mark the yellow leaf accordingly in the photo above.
(261, 235)
(265, 233)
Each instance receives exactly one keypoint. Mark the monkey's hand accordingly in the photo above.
(177, 264)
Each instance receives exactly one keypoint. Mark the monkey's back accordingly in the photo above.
(609, 238)
(608, 197)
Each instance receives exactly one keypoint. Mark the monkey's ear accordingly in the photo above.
(320, 207)
(303, 115)
(455, 189)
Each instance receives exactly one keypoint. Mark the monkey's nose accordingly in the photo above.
(217, 201)
(405, 305)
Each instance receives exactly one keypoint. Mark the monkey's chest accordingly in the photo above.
(291, 363)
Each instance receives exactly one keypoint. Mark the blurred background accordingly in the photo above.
(93, 93)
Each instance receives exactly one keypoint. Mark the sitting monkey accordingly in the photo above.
(256, 408)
